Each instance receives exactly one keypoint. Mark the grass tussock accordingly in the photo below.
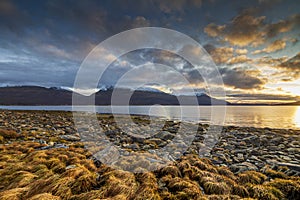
(170, 170)
(240, 190)
(45, 196)
(184, 188)
(148, 187)
(275, 174)
(251, 177)
(216, 188)
(8, 134)
(290, 188)
(264, 192)
(117, 182)
(226, 172)
(13, 194)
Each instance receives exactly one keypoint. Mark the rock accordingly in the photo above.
(155, 140)
(293, 150)
(255, 158)
(229, 147)
(295, 167)
(255, 152)
(133, 146)
(70, 167)
(42, 141)
(276, 141)
(165, 135)
(56, 146)
(273, 148)
(240, 157)
(71, 138)
(286, 158)
(243, 143)
(244, 166)
(251, 139)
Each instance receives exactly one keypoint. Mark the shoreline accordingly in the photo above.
(158, 117)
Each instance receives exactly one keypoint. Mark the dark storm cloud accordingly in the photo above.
(12, 17)
(241, 79)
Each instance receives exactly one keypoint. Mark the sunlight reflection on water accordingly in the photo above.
(297, 117)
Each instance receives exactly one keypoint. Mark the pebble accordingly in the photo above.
(70, 167)
(72, 138)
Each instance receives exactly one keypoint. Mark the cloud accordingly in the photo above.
(214, 30)
(61, 53)
(241, 79)
(294, 40)
(7, 8)
(270, 61)
(286, 69)
(238, 59)
(241, 51)
(277, 45)
(282, 26)
(247, 29)
(292, 66)
(220, 55)
(243, 30)
(12, 17)
(140, 21)
(226, 55)
(190, 49)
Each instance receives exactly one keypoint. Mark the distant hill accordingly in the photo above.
(34, 95)
(292, 104)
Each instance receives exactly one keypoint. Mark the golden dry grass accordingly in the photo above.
(13, 194)
(8, 134)
(70, 174)
(45, 196)
(251, 177)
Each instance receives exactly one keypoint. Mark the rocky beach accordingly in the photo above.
(43, 156)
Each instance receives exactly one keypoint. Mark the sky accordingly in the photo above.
(254, 44)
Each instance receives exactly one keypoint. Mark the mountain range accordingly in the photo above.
(35, 95)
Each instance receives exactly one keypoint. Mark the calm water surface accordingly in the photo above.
(256, 116)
